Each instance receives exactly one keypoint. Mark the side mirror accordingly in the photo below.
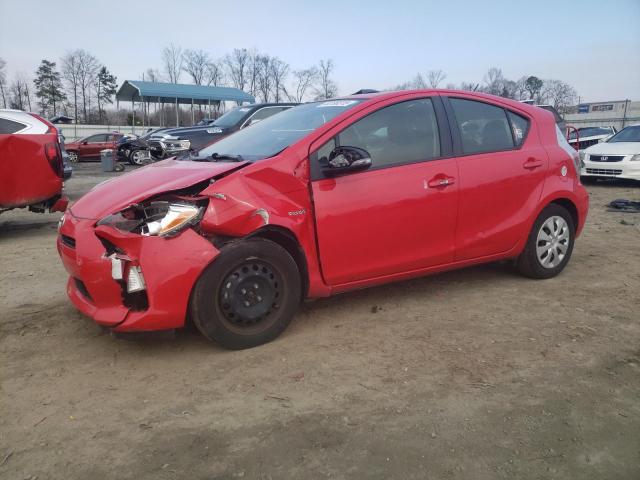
(346, 159)
(85, 142)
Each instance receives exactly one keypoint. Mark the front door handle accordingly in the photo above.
(440, 181)
(532, 163)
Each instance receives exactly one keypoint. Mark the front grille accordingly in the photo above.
(606, 158)
(68, 241)
(82, 289)
(603, 171)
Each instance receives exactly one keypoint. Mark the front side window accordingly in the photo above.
(483, 127)
(96, 138)
(402, 133)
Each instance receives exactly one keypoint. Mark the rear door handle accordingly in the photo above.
(440, 181)
(532, 163)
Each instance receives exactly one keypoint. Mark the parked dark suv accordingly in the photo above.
(169, 142)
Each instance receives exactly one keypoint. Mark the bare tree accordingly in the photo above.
(435, 78)
(304, 80)
(254, 66)
(278, 71)
(265, 80)
(71, 75)
(3, 82)
(19, 95)
(89, 67)
(215, 73)
(237, 66)
(173, 60)
(520, 90)
(326, 87)
(195, 63)
(494, 81)
(559, 94)
(470, 86)
(151, 75)
(417, 83)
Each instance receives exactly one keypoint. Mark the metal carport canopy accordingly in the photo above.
(138, 91)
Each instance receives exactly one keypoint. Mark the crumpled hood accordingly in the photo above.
(117, 193)
(615, 148)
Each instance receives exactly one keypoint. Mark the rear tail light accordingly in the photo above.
(54, 156)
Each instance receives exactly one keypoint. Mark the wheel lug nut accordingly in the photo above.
(246, 304)
(255, 286)
(259, 298)
(243, 291)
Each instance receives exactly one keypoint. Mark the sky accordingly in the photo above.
(593, 45)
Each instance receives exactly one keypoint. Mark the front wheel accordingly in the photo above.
(73, 157)
(248, 295)
(137, 157)
(549, 245)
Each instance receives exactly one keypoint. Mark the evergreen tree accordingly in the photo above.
(106, 86)
(48, 88)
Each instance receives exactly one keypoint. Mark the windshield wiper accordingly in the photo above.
(224, 156)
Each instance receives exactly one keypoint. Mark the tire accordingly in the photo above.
(73, 157)
(248, 295)
(552, 233)
(135, 159)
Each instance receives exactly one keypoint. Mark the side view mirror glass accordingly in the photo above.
(346, 159)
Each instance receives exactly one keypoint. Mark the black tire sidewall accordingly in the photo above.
(528, 262)
(206, 312)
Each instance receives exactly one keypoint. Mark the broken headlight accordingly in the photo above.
(159, 218)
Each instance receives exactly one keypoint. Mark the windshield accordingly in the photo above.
(627, 134)
(591, 132)
(232, 117)
(274, 134)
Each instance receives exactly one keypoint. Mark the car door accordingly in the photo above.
(502, 167)
(91, 146)
(400, 214)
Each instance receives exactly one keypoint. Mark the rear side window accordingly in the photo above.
(402, 133)
(519, 127)
(483, 127)
(9, 126)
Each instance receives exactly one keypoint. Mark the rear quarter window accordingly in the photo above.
(483, 127)
(9, 126)
(519, 127)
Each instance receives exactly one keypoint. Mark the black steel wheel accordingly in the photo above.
(248, 295)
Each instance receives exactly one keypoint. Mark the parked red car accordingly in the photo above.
(320, 199)
(31, 165)
(89, 148)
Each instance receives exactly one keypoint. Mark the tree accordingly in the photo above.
(88, 71)
(435, 78)
(237, 63)
(195, 63)
(215, 73)
(264, 77)
(304, 80)
(19, 95)
(559, 94)
(3, 83)
(173, 60)
(106, 87)
(533, 85)
(152, 75)
(326, 87)
(49, 89)
(71, 75)
(279, 71)
(470, 86)
(494, 81)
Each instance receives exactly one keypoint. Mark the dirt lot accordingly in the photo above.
(473, 374)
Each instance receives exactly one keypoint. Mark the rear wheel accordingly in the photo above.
(73, 157)
(549, 245)
(248, 295)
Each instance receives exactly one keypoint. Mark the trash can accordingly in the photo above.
(107, 159)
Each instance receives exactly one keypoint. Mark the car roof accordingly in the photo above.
(532, 109)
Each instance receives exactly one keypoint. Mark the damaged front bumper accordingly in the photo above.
(129, 282)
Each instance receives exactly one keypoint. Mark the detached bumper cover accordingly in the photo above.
(170, 267)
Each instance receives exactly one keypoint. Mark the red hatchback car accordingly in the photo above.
(323, 198)
(31, 165)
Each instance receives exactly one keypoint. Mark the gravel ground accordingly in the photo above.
(478, 373)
